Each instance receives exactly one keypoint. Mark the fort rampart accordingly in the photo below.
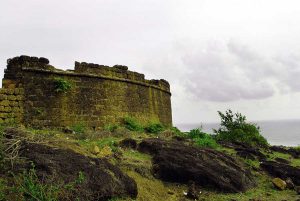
(37, 94)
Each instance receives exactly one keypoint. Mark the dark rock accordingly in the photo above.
(68, 130)
(286, 150)
(44, 60)
(250, 153)
(289, 183)
(175, 162)
(282, 160)
(128, 143)
(102, 179)
(245, 154)
(282, 170)
(11, 132)
(192, 192)
(297, 189)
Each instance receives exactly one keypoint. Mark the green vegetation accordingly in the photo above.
(132, 124)
(234, 128)
(1, 151)
(62, 85)
(111, 127)
(33, 190)
(202, 139)
(79, 128)
(154, 128)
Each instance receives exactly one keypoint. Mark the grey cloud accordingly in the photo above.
(236, 72)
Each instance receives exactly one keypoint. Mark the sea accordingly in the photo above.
(283, 132)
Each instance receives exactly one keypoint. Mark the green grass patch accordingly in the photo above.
(202, 139)
(154, 128)
(132, 124)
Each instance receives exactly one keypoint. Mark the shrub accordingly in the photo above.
(111, 127)
(234, 128)
(154, 128)
(61, 85)
(132, 124)
(201, 138)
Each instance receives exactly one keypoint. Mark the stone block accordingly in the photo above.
(19, 97)
(4, 103)
(3, 97)
(11, 97)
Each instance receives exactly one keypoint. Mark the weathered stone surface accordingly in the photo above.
(174, 161)
(99, 95)
(279, 183)
(102, 179)
(281, 170)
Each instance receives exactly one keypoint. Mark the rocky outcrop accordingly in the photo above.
(128, 143)
(286, 150)
(102, 180)
(176, 162)
(282, 171)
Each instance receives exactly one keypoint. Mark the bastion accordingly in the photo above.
(37, 94)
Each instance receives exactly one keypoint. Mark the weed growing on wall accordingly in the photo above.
(62, 85)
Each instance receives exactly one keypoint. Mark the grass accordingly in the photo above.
(139, 166)
(202, 139)
(33, 190)
(294, 162)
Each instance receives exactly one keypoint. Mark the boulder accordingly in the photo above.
(297, 189)
(282, 170)
(128, 143)
(102, 181)
(282, 160)
(279, 183)
(174, 161)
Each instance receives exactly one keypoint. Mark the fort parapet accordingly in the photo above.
(94, 95)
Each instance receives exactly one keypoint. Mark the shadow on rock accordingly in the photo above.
(102, 179)
(176, 162)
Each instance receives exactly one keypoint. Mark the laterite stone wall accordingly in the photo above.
(99, 95)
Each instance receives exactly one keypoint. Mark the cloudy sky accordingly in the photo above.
(216, 54)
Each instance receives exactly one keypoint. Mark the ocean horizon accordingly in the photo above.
(277, 132)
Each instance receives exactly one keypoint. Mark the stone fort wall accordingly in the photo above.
(97, 95)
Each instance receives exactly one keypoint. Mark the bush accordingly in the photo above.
(61, 85)
(234, 128)
(132, 124)
(154, 128)
(201, 138)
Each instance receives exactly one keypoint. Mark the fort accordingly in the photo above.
(35, 93)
